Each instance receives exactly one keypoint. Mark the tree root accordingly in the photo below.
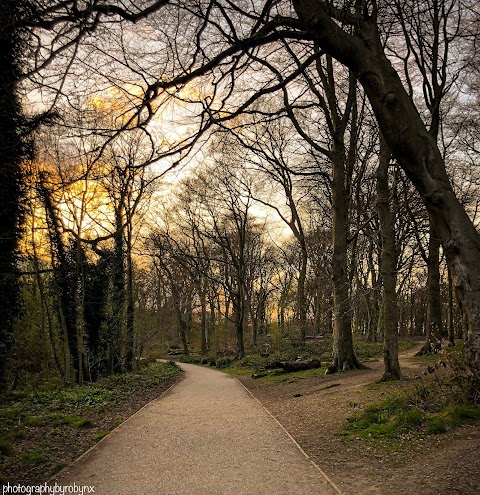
(349, 365)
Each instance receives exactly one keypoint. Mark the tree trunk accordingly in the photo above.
(416, 151)
(239, 317)
(117, 320)
(203, 321)
(451, 327)
(301, 299)
(433, 323)
(317, 311)
(343, 354)
(211, 321)
(373, 298)
(130, 307)
(182, 328)
(65, 284)
(95, 313)
(388, 268)
(254, 320)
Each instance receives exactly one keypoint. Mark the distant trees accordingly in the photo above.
(24, 55)
(215, 240)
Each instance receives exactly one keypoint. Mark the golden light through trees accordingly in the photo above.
(271, 123)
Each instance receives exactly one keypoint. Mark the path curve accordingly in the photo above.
(205, 436)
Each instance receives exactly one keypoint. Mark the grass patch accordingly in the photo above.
(118, 422)
(240, 371)
(33, 421)
(366, 351)
(43, 408)
(56, 468)
(33, 458)
(461, 413)
(17, 433)
(56, 432)
(436, 425)
(381, 421)
(101, 435)
(295, 376)
(73, 421)
(6, 447)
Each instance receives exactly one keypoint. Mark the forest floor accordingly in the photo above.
(42, 432)
(314, 409)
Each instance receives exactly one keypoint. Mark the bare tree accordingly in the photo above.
(270, 147)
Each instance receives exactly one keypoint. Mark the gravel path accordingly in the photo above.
(206, 436)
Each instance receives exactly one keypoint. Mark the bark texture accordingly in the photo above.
(343, 353)
(388, 267)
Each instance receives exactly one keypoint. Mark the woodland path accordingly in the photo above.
(205, 436)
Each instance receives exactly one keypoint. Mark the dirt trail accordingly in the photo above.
(442, 464)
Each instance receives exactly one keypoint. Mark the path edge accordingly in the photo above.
(79, 458)
(289, 435)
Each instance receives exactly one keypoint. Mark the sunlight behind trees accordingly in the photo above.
(235, 174)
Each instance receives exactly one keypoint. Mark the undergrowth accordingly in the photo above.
(258, 358)
(449, 398)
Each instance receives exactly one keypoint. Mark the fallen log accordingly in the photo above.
(291, 366)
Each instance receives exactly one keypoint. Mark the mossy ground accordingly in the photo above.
(42, 431)
(432, 406)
